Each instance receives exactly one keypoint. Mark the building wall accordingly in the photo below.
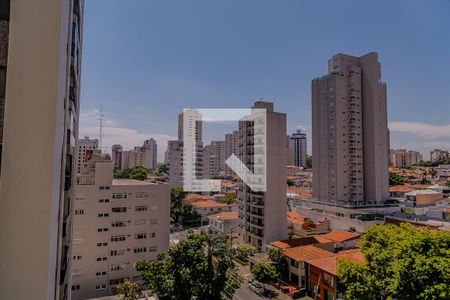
(263, 214)
(42, 106)
(82, 145)
(350, 135)
(298, 144)
(99, 206)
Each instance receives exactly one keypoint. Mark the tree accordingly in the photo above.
(278, 261)
(128, 290)
(264, 273)
(189, 215)
(309, 162)
(162, 169)
(199, 266)
(176, 202)
(228, 199)
(396, 179)
(402, 263)
(121, 174)
(138, 173)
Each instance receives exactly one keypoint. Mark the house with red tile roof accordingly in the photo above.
(224, 223)
(206, 206)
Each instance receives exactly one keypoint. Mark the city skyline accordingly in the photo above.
(229, 64)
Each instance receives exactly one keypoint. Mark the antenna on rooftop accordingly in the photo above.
(101, 119)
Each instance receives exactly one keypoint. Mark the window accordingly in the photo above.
(102, 229)
(140, 250)
(116, 281)
(103, 215)
(141, 208)
(118, 238)
(118, 267)
(119, 209)
(153, 221)
(140, 222)
(141, 195)
(119, 195)
(152, 235)
(152, 249)
(103, 200)
(140, 236)
(104, 258)
(77, 257)
(117, 252)
(118, 224)
(102, 244)
(76, 287)
(100, 274)
(100, 287)
(79, 211)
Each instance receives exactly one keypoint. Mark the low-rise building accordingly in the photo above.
(420, 198)
(299, 226)
(205, 206)
(117, 222)
(224, 224)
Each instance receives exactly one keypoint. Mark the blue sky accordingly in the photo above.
(146, 60)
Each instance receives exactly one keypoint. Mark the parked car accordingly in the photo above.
(256, 287)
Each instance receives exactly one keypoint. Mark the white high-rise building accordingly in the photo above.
(40, 61)
(350, 134)
(175, 155)
(262, 215)
(298, 144)
(151, 149)
(438, 155)
(85, 146)
(117, 223)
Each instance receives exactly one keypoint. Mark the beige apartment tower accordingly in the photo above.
(40, 130)
(350, 134)
(262, 215)
(117, 223)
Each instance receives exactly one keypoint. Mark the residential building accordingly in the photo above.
(224, 223)
(299, 226)
(117, 223)
(231, 146)
(175, 158)
(298, 144)
(214, 158)
(350, 134)
(438, 155)
(443, 172)
(404, 158)
(175, 155)
(151, 149)
(420, 198)
(116, 155)
(84, 145)
(43, 42)
(263, 214)
(205, 206)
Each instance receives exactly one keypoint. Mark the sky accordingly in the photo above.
(144, 61)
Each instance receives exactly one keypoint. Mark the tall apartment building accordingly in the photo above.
(152, 153)
(41, 110)
(231, 146)
(175, 155)
(214, 158)
(298, 144)
(117, 223)
(84, 145)
(116, 155)
(404, 158)
(438, 155)
(262, 215)
(350, 134)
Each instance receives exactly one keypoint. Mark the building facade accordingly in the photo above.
(263, 214)
(84, 145)
(438, 155)
(298, 144)
(350, 134)
(116, 155)
(404, 158)
(117, 223)
(151, 149)
(41, 110)
(231, 146)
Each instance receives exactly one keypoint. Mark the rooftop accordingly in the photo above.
(330, 264)
(226, 215)
(303, 253)
(131, 182)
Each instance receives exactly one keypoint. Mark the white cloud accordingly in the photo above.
(113, 133)
(422, 129)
